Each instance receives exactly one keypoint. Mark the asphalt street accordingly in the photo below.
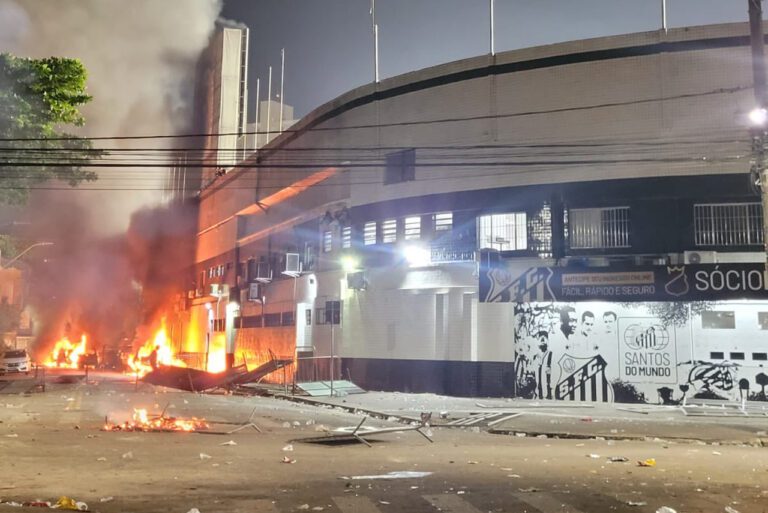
(52, 445)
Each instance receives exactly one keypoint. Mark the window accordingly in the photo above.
(327, 241)
(248, 321)
(413, 228)
(716, 355)
(331, 314)
(389, 231)
(219, 324)
(760, 357)
(401, 167)
(718, 320)
(308, 316)
(737, 356)
(598, 228)
(762, 320)
(369, 233)
(728, 224)
(288, 319)
(443, 222)
(346, 237)
(272, 320)
(505, 232)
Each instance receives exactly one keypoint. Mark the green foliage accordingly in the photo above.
(39, 99)
(7, 246)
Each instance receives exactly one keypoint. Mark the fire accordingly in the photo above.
(141, 421)
(141, 362)
(66, 354)
(217, 355)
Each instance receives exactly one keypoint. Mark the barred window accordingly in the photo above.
(413, 228)
(389, 231)
(443, 221)
(346, 237)
(728, 224)
(327, 241)
(505, 232)
(369, 233)
(599, 228)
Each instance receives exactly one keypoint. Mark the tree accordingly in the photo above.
(675, 313)
(39, 100)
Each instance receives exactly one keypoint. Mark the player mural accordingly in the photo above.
(626, 351)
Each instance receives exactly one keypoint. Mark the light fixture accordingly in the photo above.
(349, 263)
(417, 256)
(758, 116)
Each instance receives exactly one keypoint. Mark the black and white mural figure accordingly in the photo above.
(654, 334)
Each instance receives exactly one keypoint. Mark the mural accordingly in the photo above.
(601, 351)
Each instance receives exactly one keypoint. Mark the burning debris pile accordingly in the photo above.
(141, 421)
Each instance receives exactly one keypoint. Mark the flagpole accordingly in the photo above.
(375, 42)
(493, 48)
(282, 80)
(257, 114)
(269, 105)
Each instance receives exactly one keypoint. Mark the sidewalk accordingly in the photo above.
(710, 424)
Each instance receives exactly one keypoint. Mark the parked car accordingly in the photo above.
(16, 360)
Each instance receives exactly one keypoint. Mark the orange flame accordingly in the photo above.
(141, 363)
(65, 354)
(141, 421)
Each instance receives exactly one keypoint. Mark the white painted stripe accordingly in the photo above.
(546, 503)
(355, 504)
(450, 503)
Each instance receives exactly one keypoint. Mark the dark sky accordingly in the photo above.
(329, 47)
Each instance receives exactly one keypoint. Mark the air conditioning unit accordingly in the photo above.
(700, 257)
(357, 281)
(263, 272)
(255, 292)
(292, 264)
(219, 289)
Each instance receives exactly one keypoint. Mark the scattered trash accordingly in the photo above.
(107, 499)
(128, 455)
(318, 508)
(231, 442)
(321, 428)
(70, 504)
(716, 453)
(618, 459)
(101, 458)
(637, 503)
(586, 419)
(650, 462)
(472, 462)
(514, 476)
(729, 509)
(303, 507)
(532, 489)
(400, 474)
(666, 509)
(593, 456)
(288, 448)
(443, 414)
(287, 425)
(193, 510)
(521, 435)
(461, 492)
(384, 502)
(296, 423)
(204, 456)
(286, 459)
(12, 435)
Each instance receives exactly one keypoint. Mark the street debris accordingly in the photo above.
(532, 489)
(64, 502)
(356, 435)
(303, 507)
(193, 510)
(288, 448)
(729, 509)
(618, 459)
(231, 442)
(101, 458)
(128, 455)
(593, 456)
(107, 499)
(400, 474)
(666, 509)
(637, 503)
(650, 462)
(286, 459)
(204, 456)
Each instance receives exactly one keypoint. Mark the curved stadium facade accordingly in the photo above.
(537, 223)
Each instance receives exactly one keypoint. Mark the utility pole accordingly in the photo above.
(758, 116)
(491, 31)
